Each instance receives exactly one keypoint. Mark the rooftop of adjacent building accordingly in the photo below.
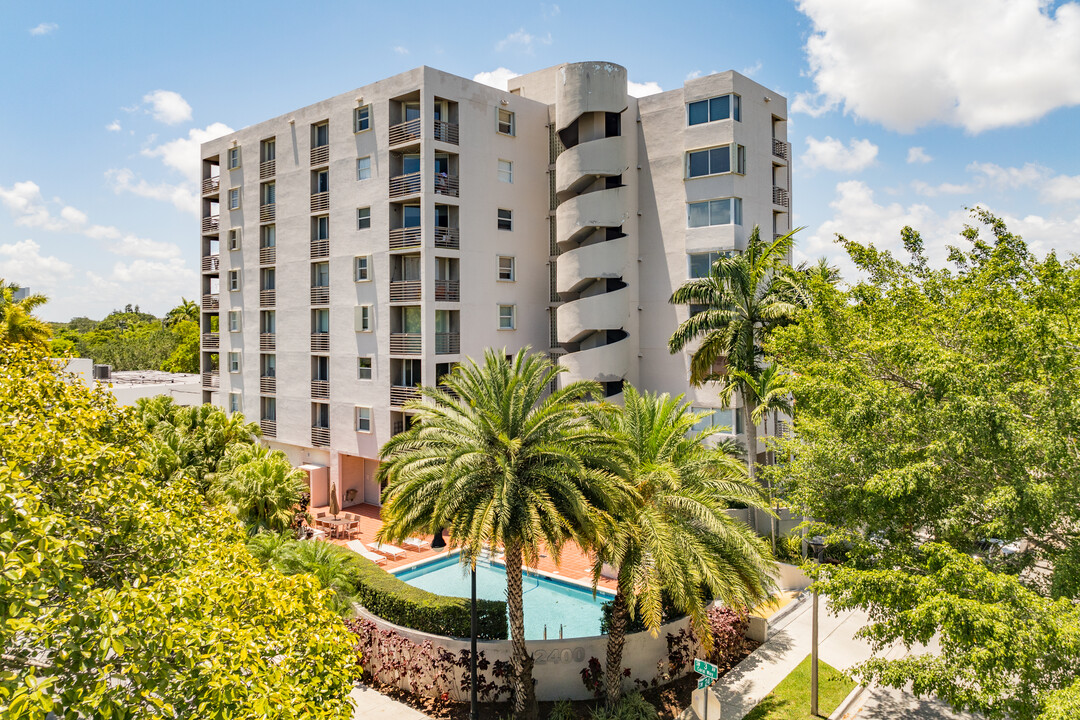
(150, 377)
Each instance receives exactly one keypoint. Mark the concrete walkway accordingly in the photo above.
(372, 705)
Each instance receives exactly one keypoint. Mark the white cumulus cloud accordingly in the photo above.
(1063, 188)
(523, 41)
(832, 154)
(181, 195)
(182, 154)
(44, 28)
(1008, 178)
(637, 89)
(928, 190)
(114, 126)
(401, 50)
(168, 107)
(975, 64)
(495, 78)
(918, 155)
(23, 263)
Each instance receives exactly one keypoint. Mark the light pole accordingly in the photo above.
(473, 710)
(818, 544)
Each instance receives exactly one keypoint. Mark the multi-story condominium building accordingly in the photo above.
(363, 245)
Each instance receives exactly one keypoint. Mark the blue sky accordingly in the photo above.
(903, 112)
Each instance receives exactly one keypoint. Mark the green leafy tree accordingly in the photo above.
(264, 492)
(673, 539)
(186, 311)
(184, 357)
(499, 464)
(18, 325)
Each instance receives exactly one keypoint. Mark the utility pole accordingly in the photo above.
(814, 659)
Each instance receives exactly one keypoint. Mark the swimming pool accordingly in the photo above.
(548, 601)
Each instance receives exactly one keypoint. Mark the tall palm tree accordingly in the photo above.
(499, 464)
(17, 322)
(674, 539)
(744, 296)
(186, 310)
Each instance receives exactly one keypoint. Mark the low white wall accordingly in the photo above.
(181, 393)
(790, 577)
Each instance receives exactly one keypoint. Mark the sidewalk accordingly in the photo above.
(371, 705)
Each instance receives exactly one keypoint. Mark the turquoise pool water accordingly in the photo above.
(547, 601)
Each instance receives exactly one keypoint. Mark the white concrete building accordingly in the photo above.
(365, 244)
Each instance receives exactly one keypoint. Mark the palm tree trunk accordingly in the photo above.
(615, 641)
(751, 449)
(521, 663)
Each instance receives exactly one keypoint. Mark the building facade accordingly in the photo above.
(361, 246)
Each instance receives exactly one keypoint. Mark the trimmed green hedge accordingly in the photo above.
(398, 602)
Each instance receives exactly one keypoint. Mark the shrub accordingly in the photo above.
(728, 629)
(563, 710)
(636, 624)
(789, 549)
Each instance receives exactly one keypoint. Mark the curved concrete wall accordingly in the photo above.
(605, 157)
(606, 363)
(601, 260)
(584, 213)
(588, 87)
(607, 311)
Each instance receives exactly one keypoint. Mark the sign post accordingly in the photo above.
(709, 673)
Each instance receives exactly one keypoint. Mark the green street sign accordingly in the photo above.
(704, 682)
(705, 668)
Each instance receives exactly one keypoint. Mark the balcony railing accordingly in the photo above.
(320, 155)
(267, 213)
(267, 298)
(320, 248)
(401, 394)
(447, 343)
(320, 436)
(268, 427)
(405, 132)
(211, 263)
(405, 184)
(780, 196)
(320, 295)
(267, 341)
(210, 301)
(446, 132)
(320, 388)
(449, 238)
(779, 148)
(405, 343)
(320, 202)
(210, 225)
(320, 342)
(405, 238)
(267, 169)
(211, 185)
(210, 379)
(404, 290)
(268, 255)
(446, 185)
(268, 384)
(211, 341)
(447, 291)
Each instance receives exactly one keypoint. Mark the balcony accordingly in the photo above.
(267, 169)
(210, 301)
(401, 394)
(447, 291)
(211, 185)
(268, 384)
(405, 132)
(267, 341)
(779, 148)
(446, 132)
(268, 255)
(210, 379)
(210, 225)
(320, 295)
(447, 343)
(320, 202)
(211, 341)
(401, 185)
(267, 213)
(320, 248)
(448, 238)
(320, 388)
(211, 263)
(780, 197)
(320, 155)
(267, 298)
(405, 343)
(268, 427)
(320, 436)
(401, 238)
(405, 291)
(320, 342)
(446, 185)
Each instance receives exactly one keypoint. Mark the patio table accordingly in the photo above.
(336, 524)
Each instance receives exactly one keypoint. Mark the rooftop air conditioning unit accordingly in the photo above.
(102, 372)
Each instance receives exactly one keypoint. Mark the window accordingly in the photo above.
(361, 268)
(322, 134)
(363, 168)
(235, 403)
(364, 368)
(506, 317)
(268, 150)
(701, 262)
(268, 322)
(363, 318)
(269, 408)
(234, 198)
(268, 192)
(715, 161)
(320, 274)
(234, 321)
(268, 236)
(727, 422)
(363, 218)
(320, 227)
(234, 361)
(234, 280)
(506, 171)
(234, 158)
(322, 181)
(363, 419)
(713, 109)
(506, 219)
(506, 122)
(715, 212)
(506, 268)
(234, 238)
(362, 118)
(320, 321)
(740, 159)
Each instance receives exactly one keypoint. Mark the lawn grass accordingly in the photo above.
(790, 700)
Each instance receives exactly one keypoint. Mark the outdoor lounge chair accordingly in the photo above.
(389, 550)
(358, 547)
(417, 543)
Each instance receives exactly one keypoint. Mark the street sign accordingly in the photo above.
(704, 682)
(705, 668)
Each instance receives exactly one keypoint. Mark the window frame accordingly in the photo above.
(233, 278)
(734, 207)
(238, 315)
(509, 219)
(366, 267)
(233, 157)
(361, 117)
(234, 192)
(235, 355)
(708, 154)
(511, 270)
(512, 316)
(511, 123)
(370, 367)
(357, 418)
(237, 399)
(234, 238)
(359, 171)
(734, 109)
(509, 172)
(362, 218)
(365, 319)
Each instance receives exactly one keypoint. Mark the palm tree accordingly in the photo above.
(186, 310)
(674, 541)
(264, 493)
(499, 464)
(17, 321)
(744, 296)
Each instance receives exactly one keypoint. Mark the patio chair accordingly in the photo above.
(416, 543)
(388, 550)
(358, 547)
(354, 525)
